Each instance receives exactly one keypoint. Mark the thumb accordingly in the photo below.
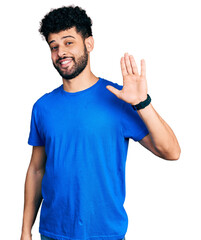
(113, 90)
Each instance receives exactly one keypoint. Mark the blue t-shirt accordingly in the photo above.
(86, 136)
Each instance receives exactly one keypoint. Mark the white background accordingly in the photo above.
(163, 199)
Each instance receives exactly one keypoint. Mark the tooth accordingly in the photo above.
(65, 62)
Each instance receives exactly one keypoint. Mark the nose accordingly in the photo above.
(61, 52)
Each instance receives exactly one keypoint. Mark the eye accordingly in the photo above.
(53, 48)
(68, 43)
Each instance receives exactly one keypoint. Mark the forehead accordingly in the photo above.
(70, 33)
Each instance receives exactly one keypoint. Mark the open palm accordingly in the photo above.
(134, 84)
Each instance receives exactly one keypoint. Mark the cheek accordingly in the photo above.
(54, 56)
(76, 50)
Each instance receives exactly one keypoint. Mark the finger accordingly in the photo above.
(143, 68)
(114, 90)
(134, 65)
(128, 64)
(123, 67)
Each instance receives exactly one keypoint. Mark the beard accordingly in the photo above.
(78, 66)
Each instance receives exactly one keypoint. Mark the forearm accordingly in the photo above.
(163, 138)
(32, 198)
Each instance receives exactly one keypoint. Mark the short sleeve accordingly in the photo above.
(35, 138)
(132, 125)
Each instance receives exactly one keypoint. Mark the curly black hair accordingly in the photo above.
(64, 18)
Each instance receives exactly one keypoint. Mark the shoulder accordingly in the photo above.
(114, 84)
(46, 98)
(126, 107)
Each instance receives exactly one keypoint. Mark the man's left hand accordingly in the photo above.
(134, 88)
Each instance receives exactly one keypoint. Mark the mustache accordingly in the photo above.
(59, 59)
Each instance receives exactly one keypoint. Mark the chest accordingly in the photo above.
(89, 118)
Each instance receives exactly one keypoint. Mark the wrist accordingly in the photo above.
(146, 110)
(142, 104)
(26, 236)
(139, 100)
(26, 232)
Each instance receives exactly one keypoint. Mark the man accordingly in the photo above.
(80, 133)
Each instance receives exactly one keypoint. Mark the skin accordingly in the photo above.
(33, 196)
(62, 46)
(161, 140)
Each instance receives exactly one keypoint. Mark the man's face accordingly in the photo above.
(69, 53)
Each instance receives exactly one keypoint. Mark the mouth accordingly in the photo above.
(64, 63)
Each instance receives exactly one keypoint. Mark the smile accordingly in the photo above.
(62, 63)
(65, 63)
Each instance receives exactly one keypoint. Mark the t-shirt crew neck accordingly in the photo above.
(86, 136)
(87, 90)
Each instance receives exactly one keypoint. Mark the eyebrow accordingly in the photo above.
(62, 38)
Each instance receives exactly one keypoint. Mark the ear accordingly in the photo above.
(89, 42)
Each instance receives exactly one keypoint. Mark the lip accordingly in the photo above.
(65, 62)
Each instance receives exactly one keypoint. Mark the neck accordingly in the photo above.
(83, 81)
